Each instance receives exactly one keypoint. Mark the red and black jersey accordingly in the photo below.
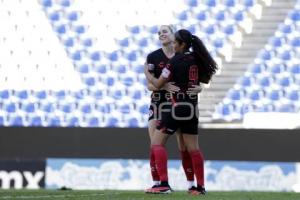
(184, 72)
(159, 60)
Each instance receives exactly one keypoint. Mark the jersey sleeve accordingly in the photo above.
(149, 59)
(168, 70)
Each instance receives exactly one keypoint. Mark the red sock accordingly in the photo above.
(154, 173)
(187, 165)
(161, 161)
(198, 164)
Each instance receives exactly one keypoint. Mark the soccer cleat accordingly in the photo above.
(192, 189)
(197, 191)
(150, 190)
(161, 189)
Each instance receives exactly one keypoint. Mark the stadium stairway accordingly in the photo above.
(263, 29)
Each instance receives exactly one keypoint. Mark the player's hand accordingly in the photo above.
(170, 87)
(194, 90)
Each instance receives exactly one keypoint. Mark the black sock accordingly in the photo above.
(164, 183)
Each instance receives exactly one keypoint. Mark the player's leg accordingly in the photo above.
(151, 129)
(191, 142)
(186, 161)
(160, 154)
(190, 137)
(154, 173)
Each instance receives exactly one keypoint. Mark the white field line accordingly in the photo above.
(50, 196)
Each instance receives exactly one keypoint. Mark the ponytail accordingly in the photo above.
(203, 57)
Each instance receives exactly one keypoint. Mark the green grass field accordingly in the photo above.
(139, 195)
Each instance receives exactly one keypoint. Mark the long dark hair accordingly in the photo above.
(203, 57)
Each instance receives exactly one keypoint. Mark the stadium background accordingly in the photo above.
(73, 101)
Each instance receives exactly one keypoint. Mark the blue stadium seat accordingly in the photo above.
(2, 120)
(143, 42)
(294, 69)
(293, 95)
(274, 95)
(134, 29)
(255, 95)
(183, 16)
(211, 3)
(276, 68)
(86, 108)
(76, 56)
(265, 55)
(257, 68)
(60, 94)
(276, 41)
(84, 68)
(245, 81)
(192, 3)
(4, 94)
(61, 29)
(73, 16)
(294, 15)
(143, 108)
(95, 56)
(21, 94)
(10, 107)
(284, 81)
(112, 122)
(210, 29)
(285, 55)
(54, 16)
(113, 56)
(65, 3)
(220, 16)
(124, 42)
(54, 121)
(235, 95)
(41, 94)
(48, 107)
(28, 107)
(295, 42)
(264, 81)
(93, 122)
(16, 120)
(35, 121)
(230, 3)
(72, 121)
(285, 28)
(88, 42)
(69, 42)
(202, 16)
(133, 122)
(103, 108)
(79, 29)
(90, 81)
(139, 69)
(287, 108)
(66, 107)
(248, 3)
(102, 69)
(46, 3)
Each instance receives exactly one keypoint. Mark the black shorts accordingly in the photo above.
(154, 108)
(182, 117)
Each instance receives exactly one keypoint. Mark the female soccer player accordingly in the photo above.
(158, 60)
(186, 68)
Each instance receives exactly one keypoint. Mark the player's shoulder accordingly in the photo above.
(155, 53)
(176, 57)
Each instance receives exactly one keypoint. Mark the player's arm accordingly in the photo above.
(151, 87)
(158, 83)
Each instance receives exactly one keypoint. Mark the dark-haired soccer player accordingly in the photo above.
(185, 69)
(156, 61)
